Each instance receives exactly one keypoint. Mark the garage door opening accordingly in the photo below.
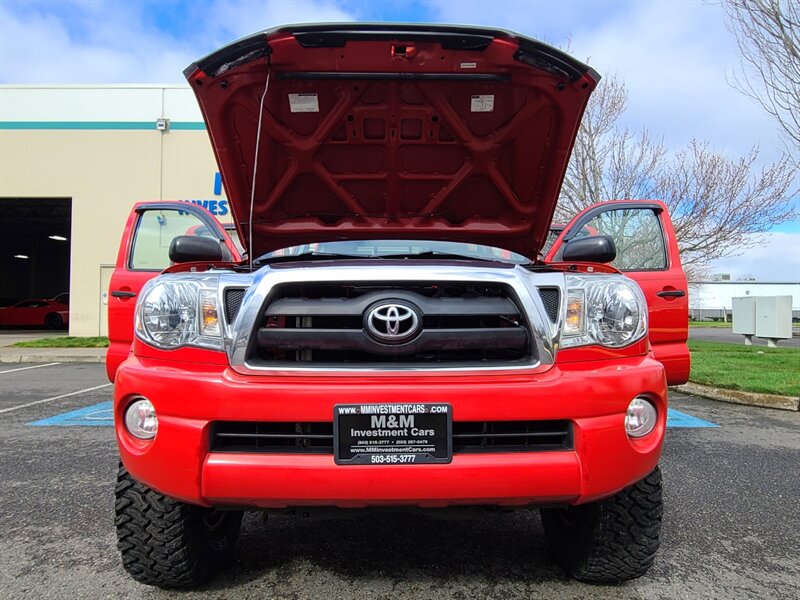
(34, 250)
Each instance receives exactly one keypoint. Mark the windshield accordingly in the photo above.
(230, 229)
(552, 236)
(400, 249)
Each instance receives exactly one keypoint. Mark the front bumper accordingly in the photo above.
(188, 397)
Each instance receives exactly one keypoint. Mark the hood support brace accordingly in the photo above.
(255, 166)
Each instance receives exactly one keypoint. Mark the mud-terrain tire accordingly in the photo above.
(611, 540)
(53, 321)
(167, 543)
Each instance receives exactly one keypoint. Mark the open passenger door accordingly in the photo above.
(647, 252)
(143, 254)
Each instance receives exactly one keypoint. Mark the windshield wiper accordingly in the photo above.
(265, 260)
(429, 254)
(436, 254)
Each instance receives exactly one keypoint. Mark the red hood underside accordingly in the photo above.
(377, 131)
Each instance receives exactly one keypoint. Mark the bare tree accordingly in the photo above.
(768, 35)
(608, 161)
(715, 201)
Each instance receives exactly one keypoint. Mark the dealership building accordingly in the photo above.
(73, 161)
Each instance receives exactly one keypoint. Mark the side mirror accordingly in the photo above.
(595, 248)
(193, 248)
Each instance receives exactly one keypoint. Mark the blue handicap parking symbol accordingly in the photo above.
(97, 415)
(676, 418)
(102, 415)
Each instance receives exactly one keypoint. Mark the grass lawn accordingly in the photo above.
(746, 368)
(719, 324)
(66, 342)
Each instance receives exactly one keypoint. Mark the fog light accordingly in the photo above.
(141, 420)
(640, 418)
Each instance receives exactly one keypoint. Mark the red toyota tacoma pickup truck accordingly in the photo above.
(394, 336)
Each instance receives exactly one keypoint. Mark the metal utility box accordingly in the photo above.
(744, 315)
(773, 317)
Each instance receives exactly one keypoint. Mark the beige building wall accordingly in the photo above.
(105, 172)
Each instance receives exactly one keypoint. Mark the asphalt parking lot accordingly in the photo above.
(731, 527)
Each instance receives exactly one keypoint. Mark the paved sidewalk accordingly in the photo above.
(13, 354)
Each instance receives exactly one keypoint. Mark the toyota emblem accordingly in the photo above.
(392, 323)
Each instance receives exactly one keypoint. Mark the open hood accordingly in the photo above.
(392, 131)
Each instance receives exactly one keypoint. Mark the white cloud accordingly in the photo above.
(233, 19)
(41, 47)
(547, 20)
(674, 57)
(118, 42)
(775, 258)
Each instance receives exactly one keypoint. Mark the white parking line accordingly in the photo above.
(97, 387)
(26, 368)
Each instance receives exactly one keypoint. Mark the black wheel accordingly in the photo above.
(611, 540)
(53, 321)
(168, 543)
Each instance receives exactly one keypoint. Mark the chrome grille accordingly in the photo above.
(327, 324)
(352, 279)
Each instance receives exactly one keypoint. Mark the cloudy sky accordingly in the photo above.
(675, 57)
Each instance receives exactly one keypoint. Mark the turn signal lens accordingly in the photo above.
(575, 313)
(141, 420)
(640, 418)
(209, 323)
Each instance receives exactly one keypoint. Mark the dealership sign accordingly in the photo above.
(217, 207)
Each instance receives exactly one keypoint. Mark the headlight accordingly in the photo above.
(609, 310)
(175, 311)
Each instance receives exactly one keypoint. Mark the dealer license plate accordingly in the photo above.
(392, 434)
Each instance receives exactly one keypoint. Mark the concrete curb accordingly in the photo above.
(15, 356)
(739, 397)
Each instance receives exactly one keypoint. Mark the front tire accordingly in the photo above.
(53, 321)
(612, 540)
(167, 543)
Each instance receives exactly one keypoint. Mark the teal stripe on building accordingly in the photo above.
(101, 125)
(188, 126)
